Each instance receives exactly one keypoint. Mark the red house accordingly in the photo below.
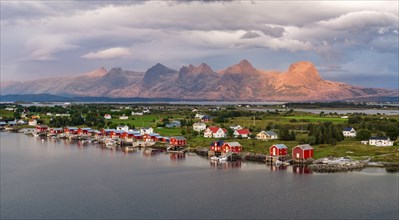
(216, 146)
(152, 137)
(242, 133)
(84, 131)
(41, 128)
(206, 118)
(278, 150)
(71, 130)
(56, 130)
(302, 152)
(178, 141)
(234, 147)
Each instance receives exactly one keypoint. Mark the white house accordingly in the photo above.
(136, 113)
(199, 126)
(244, 133)
(349, 132)
(215, 132)
(380, 141)
(21, 122)
(266, 135)
(123, 117)
(32, 122)
(122, 128)
(147, 130)
(107, 116)
(199, 116)
(236, 127)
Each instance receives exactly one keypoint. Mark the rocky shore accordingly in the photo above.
(341, 164)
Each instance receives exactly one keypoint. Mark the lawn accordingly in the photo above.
(316, 118)
(168, 131)
(6, 113)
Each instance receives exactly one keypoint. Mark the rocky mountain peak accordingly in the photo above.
(202, 68)
(243, 67)
(304, 69)
(97, 73)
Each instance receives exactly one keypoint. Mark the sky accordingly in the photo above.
(355, 42)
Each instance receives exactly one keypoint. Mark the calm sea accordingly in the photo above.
(62, 180)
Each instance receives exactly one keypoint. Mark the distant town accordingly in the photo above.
(276, 134)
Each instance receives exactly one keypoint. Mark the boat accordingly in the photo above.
(214, 158)
(219, 159)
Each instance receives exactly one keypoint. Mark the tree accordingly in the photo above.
(363, 134)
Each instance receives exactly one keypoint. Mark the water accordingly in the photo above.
(340, 111)
(50, 179)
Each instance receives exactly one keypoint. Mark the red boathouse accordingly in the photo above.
(278, 150)
(302, 152)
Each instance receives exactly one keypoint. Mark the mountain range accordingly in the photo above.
(240, 82)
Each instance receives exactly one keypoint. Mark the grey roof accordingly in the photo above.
(233, 144)
(271, 133)
(378, 138)
(305, 147)
(347, 129)
(280, 146)
(180, 138)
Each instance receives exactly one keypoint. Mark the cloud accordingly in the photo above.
(194, 31)
(44, 48)
(272, 31)
(110, 53)
(250, 35)
(354, 21)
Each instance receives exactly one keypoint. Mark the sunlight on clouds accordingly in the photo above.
(116, 52)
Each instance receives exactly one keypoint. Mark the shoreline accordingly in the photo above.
(320, 165)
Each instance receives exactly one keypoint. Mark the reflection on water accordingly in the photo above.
(299, 169)
(273, 167)
(177, 156)
(225, 164)
(58, 180)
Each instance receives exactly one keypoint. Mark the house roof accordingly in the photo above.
(57, 129)
(206, 117)
(280, 146)
(179, 138)
(218, 143)
(214, 129)
(270, 133)
(3, 123)
(86, 129)
(305, 147)
(233, 144)
(243, 131)
(347, 129)
(199, 124)
(154, 134)
(378, 138)
(72, 128)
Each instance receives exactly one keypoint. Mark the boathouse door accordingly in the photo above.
(274, 151)
(297, 155)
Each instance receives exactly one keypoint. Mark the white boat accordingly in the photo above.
(219, 159)
(214, 158)
(222, 159)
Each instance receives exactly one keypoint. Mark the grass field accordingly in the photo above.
(5, 113)
(316, 118)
